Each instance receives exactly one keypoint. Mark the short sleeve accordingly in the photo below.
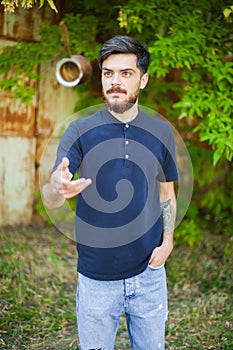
(168, 167)
(70, 147)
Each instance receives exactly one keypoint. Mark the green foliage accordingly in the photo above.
(19, 63)
(212, 193)
(211, 101)
(228, 14)
(82, 35)
(189, 232)
(212, 200)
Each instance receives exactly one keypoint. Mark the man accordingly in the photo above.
(126, 205)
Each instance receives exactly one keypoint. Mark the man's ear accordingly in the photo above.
(144, 80)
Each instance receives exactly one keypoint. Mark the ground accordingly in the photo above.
(38, 282)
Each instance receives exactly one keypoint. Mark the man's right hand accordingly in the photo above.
(61, 187)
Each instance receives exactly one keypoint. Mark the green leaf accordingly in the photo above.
(217, 156)
(227, 12)
(51, 4)
(41, 3)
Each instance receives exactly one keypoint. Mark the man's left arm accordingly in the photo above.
(168, 208)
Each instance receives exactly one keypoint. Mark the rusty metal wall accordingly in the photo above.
(26, 129)
(17, 176)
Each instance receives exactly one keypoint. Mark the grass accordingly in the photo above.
(38, 282)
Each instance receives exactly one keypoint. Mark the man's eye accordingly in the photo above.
(126, 74)
(107, 74)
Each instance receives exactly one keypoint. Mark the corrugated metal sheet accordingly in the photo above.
(25, 130)
(17, 179)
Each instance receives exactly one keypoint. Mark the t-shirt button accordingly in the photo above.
(127, 126)
(126, 142)
(126, 156)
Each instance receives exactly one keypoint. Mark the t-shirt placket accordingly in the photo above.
(126, 145)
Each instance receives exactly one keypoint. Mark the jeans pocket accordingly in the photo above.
(155, 268)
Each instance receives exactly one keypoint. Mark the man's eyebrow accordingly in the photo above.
(105, 68)
(133, 70)
(121, 70)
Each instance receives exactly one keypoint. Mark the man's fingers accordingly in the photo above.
(72, 188)
(63, 169)
(152, 257)
(64, 164)
(83, 182)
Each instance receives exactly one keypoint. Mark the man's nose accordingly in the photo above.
(116, 79)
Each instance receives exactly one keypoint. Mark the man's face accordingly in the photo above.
(121, 82)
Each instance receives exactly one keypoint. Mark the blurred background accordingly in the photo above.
(191, 80)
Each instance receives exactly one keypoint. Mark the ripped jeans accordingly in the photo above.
(142, 298)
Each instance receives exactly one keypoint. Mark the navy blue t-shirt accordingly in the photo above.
(118, 217)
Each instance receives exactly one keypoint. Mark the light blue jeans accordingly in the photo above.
(142, 298)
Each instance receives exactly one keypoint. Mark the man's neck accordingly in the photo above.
(128, 115)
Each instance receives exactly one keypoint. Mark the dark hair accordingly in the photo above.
(126, 44)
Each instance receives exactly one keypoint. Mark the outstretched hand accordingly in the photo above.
(62, 183)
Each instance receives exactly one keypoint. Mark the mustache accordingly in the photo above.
(116, 89)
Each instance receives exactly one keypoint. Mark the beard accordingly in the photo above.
(117, 106)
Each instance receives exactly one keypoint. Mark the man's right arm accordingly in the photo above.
(60, 187)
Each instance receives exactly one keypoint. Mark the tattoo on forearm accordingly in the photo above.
(168, 214)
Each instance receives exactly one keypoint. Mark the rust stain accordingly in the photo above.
(45, 125)
(17, 119)
(24, 26)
